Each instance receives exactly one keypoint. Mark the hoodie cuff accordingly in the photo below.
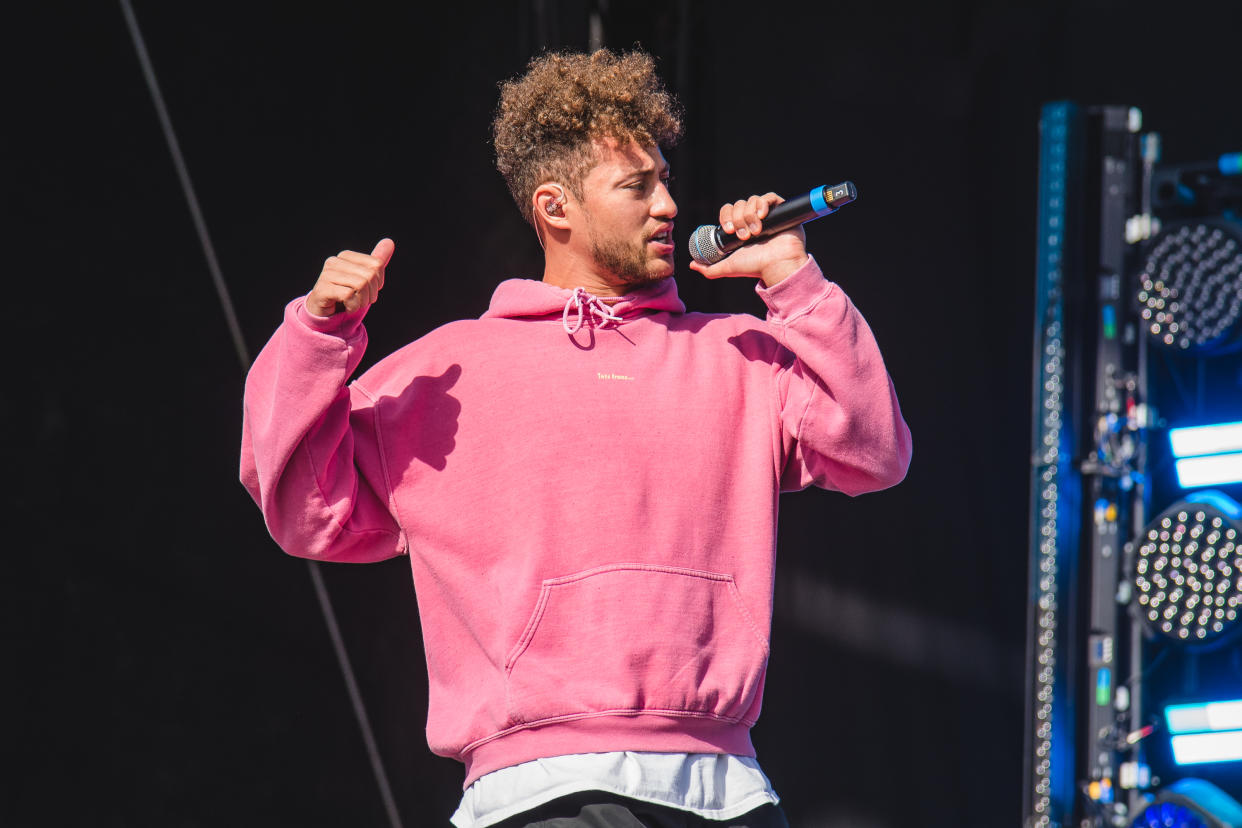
(797, 292)
(344, 324)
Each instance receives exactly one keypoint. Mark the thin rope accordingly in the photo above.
(243, 357)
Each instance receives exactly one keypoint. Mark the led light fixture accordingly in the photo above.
(1201, 748)
(1208, 455)
(1190, 286)
(1191, 803)
(1194, 441)
(1210, 470)
(1049, 740)
(1207, 716)
(1205, 732)
(1188, 574)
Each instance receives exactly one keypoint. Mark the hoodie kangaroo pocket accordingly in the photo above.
(633, 638)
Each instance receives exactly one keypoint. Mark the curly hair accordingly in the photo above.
(548, 119)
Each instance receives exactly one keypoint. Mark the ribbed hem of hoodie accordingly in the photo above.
(797, 292)
(648, 732)
(344, 323)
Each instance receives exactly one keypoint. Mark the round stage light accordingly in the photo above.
(1188, 574)
(1190, 803)
(1190, 286)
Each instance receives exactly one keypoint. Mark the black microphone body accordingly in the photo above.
(709, 244)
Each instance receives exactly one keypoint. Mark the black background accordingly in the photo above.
(169, 666)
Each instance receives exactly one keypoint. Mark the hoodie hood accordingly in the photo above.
(517, 298)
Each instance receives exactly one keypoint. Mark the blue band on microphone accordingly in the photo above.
(818, 204)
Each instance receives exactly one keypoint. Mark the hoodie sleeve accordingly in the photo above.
(839, 412)
(311, 456)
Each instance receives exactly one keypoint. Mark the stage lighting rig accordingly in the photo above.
(1138, 294)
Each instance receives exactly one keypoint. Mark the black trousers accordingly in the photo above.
(596, 809)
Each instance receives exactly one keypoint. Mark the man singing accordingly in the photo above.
(585, 479)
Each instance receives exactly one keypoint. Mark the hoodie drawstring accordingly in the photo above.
(599, 309)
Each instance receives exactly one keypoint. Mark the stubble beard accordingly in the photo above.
(628, 262)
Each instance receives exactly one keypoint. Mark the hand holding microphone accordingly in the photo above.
(754, 222)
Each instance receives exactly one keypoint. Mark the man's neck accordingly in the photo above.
(570, 275)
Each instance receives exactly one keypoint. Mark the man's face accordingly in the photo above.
(628, 214)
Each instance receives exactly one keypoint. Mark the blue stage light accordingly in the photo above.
(1212, 497)
(1206, 439)
(1191, 803)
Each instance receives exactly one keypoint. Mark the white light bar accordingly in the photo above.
(1193, 718)
(1208, 439)
(1213, 470)
(1198, 748)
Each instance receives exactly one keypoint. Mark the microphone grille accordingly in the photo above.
(703, 247)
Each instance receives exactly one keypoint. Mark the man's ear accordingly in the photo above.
(549, 203)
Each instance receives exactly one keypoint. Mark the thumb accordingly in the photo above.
(383, 251)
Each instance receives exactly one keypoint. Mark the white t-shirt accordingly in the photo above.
(712, 785)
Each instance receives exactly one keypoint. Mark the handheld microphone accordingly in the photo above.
(709, 244)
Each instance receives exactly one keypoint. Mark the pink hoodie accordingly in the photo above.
(590, 517)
